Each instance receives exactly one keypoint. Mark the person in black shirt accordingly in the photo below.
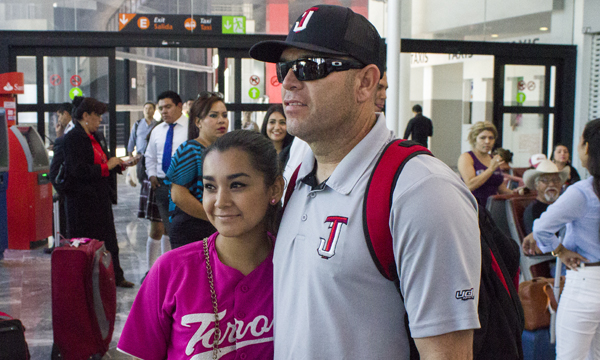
(420, 127)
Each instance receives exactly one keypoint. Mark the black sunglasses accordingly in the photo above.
(315, 68)
(209, 94)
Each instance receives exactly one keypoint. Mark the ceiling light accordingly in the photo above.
(543, 28)
(494, 35)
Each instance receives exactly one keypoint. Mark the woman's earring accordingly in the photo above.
(273, 201)
(86, 123)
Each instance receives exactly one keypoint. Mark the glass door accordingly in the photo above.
(525, 107)
(243, 81)
(55, 76)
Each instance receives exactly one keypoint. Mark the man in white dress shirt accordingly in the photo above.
(171, 110)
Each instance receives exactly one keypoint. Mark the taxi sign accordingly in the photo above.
(172, 24)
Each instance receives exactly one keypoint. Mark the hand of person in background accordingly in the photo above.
(530, 246)
(154, 182)
(496, 162)
(114, 162)
(571, 259)
(129, 161)
(523, 190)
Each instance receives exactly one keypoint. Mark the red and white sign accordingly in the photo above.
(521, 85)
(274, 81)
(254, 80)
(75, 80)
(11, 111)
(55, 80)
(531, 85)
(12, 83)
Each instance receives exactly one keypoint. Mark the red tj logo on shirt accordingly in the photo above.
(327, 247)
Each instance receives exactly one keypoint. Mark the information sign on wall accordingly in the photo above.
(181, 24)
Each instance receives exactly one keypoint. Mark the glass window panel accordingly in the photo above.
(522, 134)
(552, 85)
(231, 117)
(27, 119)
(63, 74)
(26, 65)
(229, 72)
(253, 82)
(550, 136)
(524, 85)
(104, 128)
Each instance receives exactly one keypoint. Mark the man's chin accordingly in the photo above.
(551, 196)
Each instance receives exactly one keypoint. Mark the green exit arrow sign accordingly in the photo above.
(254, 93)
(75, 92)
(233, 25)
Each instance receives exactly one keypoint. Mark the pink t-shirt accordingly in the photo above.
(172, 316)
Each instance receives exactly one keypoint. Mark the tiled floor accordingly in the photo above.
(25, 279)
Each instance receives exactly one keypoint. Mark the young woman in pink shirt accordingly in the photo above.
(213, 299)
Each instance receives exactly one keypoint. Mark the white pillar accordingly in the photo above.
(404, 108)
(393, 65)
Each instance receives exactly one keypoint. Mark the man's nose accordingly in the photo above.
(290, 80)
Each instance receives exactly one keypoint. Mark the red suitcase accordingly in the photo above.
(84, 299)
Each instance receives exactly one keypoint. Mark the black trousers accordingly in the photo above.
(186, 229)
(162, 201)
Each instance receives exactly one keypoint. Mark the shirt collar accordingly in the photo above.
(355, 163)
(181, 121)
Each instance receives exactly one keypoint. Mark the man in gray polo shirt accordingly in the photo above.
(331, 302)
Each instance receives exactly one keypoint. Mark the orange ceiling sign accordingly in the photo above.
(124, 19)
(12, 83)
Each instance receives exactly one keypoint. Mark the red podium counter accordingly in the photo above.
(29, 193)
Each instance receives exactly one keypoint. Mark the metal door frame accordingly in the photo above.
(564, 57)
(71, 43)
(41, 107)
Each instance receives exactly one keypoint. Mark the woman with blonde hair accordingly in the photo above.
(480, 170)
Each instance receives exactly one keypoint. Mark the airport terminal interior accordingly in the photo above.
(531, 68)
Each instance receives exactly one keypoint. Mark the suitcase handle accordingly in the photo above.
(79, 241)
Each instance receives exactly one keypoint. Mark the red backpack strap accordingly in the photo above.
(291, 186)
(378, 202)
(5, 316)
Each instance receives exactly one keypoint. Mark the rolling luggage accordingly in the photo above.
(56, 219)
(84, 300)
(12, 339)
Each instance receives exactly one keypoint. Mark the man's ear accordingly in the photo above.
(368, 81)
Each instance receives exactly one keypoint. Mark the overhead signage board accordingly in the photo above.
(181, 24)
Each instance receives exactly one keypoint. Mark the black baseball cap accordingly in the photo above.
(332, 30)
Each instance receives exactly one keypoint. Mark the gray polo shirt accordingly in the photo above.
(331, 302)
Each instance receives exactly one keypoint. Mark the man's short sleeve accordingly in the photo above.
(437, 246)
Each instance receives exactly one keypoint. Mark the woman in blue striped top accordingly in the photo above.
(578, 209)
(189, 222)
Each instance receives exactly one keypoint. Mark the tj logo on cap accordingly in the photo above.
(301, 25)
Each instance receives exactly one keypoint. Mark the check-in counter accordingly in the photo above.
(29, 194)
